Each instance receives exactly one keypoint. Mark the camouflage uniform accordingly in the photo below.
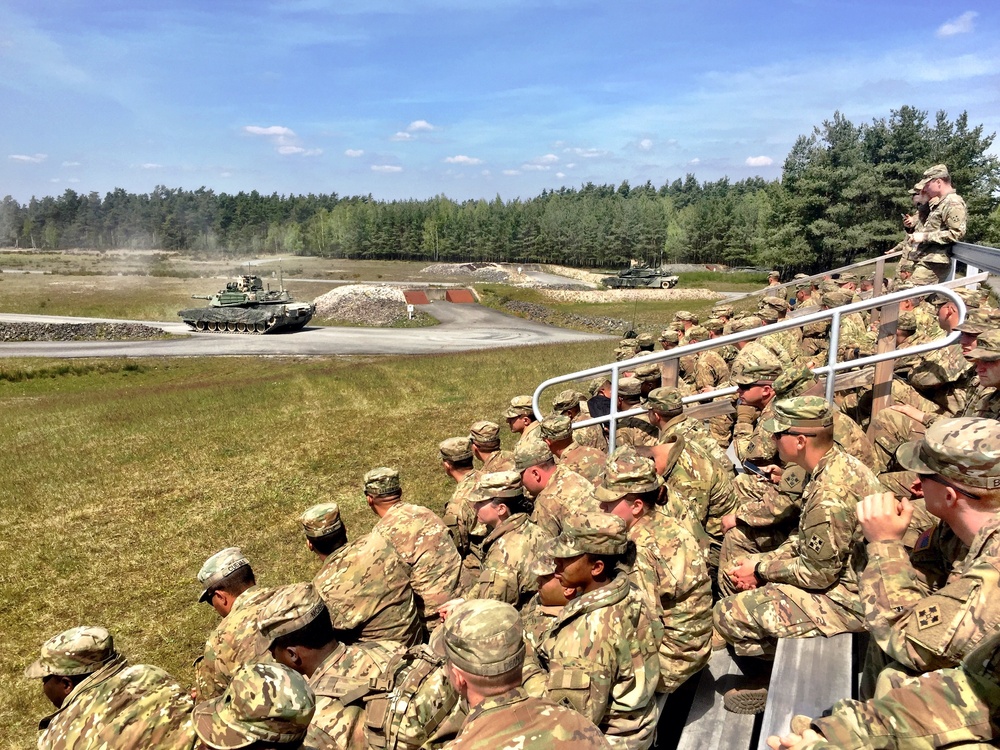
(600, 654)
(667, 403)
(921, 627)
(944, 226)
(510, 549)
(116, 705)
(486, 638)
(669, 568)
(456, 511)
(712, 373)
(810, 582)
(366, 587)
(235, 641)
(566, 494)
(464, 529)
(265, 704)
(586, 461)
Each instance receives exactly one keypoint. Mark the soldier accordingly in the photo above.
(807, 586)
(645, 342)
(520, 416)
(986, 359)
(557, 433)
(266, 706)
(755, 386)
(669, 339)
(958, 465)
(688, 319)
(722, 312)
(650, 376)
(559, 491)
(485, 436)
(855, 338)
(600, 654)
(711, 373)
(102, 701)
(456, 460)
(297, 626)
(513, 543)
(669, 566)
(365, 584)
(944, 226)
(904, 271)
(666, 414)
(484, 647)
(419, 538)
(540, 611)
(774, 278)
(571, 404)
(634, 430)
(230, 587)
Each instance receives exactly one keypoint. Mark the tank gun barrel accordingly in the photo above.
(201, 296)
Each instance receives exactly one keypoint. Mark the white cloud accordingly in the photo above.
(695, 161)
(645, 144)
(418, 125)
(460, 159)
(401, 136)
(71, 164)
(759, 161)
(511, 172)
(354, 153)
(73, 179)
(960, 25)
(291, 150)
(273, 130)
(34, 159)
(150, 165)
(535, 167)
(386, 168)
(560, 175)
(586, 153)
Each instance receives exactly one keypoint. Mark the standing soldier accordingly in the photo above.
(945, 225)
(419, 538)
(102, 701)
(230, 587)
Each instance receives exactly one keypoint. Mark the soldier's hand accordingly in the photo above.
(917, 237)
(728, 522)
(916, 489)
(776, 472)
(742, 575)
(909, 221)
(445, 609)
(793, 741)
(911, 411)
(883, 517)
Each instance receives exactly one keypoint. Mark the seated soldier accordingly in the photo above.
(547, 602)
(520, 416)
(808, 586)
(599, 655)
(557, 433)
(485, 436)
(920, 620)
(559, 492)
(636, 429)
(364, 583)
(102, 701)
(456, 460)
(573, 404)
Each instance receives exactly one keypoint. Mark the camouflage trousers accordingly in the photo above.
(948, 708)
(753, 621)
(925, 272)
(742, 541)
(892, 429)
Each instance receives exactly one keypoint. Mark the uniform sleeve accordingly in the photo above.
(890, 586)
(953, 225)
(435, 570)
(824, 544)
(209, 680)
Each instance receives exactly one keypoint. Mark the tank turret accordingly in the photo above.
(245, 306)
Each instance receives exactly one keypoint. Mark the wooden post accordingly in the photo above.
(668, 372)
(882, 385)
(877, 289)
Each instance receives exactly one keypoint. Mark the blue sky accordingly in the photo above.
(415, 98)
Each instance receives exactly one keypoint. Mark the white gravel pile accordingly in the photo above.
(491, 273)
(574, 273)
(363, 304)
(628, 295)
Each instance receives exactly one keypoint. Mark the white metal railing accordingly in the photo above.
(832, 367)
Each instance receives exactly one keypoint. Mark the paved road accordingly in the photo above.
(463, 328)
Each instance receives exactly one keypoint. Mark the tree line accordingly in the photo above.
(839, 198)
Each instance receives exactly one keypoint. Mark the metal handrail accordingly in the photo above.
(832, 367)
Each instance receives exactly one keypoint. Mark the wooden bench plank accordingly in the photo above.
(709, 724)
(809, 676)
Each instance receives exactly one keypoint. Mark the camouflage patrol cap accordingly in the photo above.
(757, 373)
(915, 190)
(777, 303)
(670, 336)
(901, 285)
(290, 609)
(848, 277)
(597, 383)
(740, 325)
(321, 520)
(497, 484)
(484, 637)
(455, 449)
(263, 703)
(520, 406)
(774, 274)
(596, 533)
(646, 373)
(768, 314)
(556, 427)
(835, 298)
(713, 325)
(722, 310)
(624, 473)
(965, 450)
(77, 651)
(686, 316)
(665, 400)
(543, 565)
(531, 452)
(566, 400)
(218, 567)
(987, 347)
(793, 382)
(645, 339)
(905, 265)
(800, 276)
(628, 343)
(382, 481)
(921, 185)
(907, 321)
(969, 296)
(629, 387)
(485, 434)
(936, 172)
(810, 412)
(697, 333)
(623, 352)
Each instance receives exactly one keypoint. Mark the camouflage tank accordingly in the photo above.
(245, 306)
(641, 277)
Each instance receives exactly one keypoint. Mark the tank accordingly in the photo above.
(641, 277)
(245, 306)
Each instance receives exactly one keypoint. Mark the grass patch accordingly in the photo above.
(722, 282)
(125, 480)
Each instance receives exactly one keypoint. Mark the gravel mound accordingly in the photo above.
(78, 332)
(363, 304)
(490, 273)
(629, 295)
